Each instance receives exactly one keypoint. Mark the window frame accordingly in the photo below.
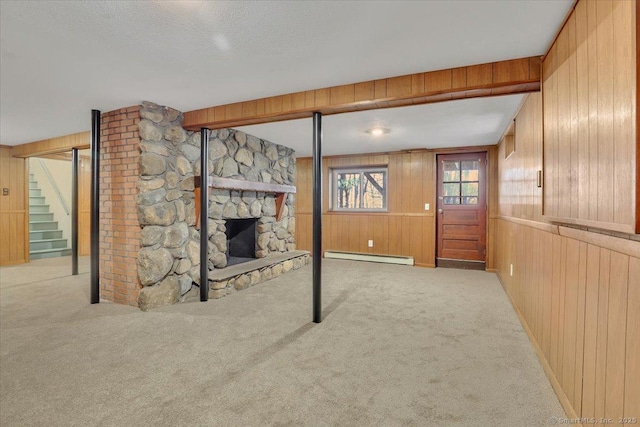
(333, 190)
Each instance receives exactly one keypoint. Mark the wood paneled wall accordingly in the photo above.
(84, 207)
(590, 112)
(580, 303)
(14, 215)
(577, 292)
(518, 191)
(498, 78)
(406, 229)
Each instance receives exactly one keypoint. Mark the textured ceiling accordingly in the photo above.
(468, 122)
(60, 59)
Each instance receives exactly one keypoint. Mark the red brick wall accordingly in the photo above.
(119, 225)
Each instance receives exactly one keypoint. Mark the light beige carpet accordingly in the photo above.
(398, 346)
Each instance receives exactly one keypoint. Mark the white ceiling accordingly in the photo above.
(467, 122)
(61, 59)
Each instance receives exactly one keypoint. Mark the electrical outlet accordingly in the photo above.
(426, 206)
(370, 243)
(5, 191)
(511, 270)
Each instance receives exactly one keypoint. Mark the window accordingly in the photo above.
(460, 182)
(359, 189)
(510, 140)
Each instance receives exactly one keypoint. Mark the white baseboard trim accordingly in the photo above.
(354, 256)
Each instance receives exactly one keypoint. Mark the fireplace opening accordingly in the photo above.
(241, 240)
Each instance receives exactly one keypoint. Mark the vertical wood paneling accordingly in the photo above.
(591, 331)
(84, 207)
(632, 341)
(570, 317)
(592, 76)
(616, 334)
(582, 95)
(624, 96)
(602, 329)
(580, 328)
(14, 248)
(580, 301)
(605, 110)
(589, 91)
(406, 229)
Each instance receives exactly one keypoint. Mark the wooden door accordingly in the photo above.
(462, 207)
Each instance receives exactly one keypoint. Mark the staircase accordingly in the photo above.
(45, 239)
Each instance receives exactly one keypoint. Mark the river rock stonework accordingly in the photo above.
(169, 160)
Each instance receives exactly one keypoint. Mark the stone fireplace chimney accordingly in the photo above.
(168, 262)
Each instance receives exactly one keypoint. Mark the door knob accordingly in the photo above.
(439, 210)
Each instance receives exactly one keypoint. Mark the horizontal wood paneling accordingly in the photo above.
(590, 112)
(59, 144)
(513, 76)
(14, 209)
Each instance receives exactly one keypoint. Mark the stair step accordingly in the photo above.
(35, 192)
(36, 245)
(45, 234)
(40, 216)
(36, 200)
(38, 209)
(43, 225)
(49, 253)
(33, 185)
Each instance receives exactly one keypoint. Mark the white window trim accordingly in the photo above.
(333, 193)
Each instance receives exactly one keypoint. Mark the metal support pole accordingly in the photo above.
(95, 206)
(317, 217)
(204, 214)
(75, 168)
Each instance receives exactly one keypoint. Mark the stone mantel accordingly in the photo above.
(281, 191)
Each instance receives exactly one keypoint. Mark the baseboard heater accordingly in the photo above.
(356, 256)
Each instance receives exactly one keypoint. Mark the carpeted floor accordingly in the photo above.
(398, 346)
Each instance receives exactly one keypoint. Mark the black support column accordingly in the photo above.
(95, 206)
(204, 214)
(317, 217)
(75, 169)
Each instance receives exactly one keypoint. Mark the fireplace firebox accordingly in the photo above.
(241, 240)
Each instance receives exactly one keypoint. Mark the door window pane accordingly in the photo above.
(469, 200)
(470, 170)
(451, 171)
(451, 189)
(469, 188)
(451, 200)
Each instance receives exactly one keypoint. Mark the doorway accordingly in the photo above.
(462, 210)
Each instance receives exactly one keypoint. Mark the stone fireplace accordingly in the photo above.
(251, 233)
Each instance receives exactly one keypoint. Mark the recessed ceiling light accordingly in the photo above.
(377, 131)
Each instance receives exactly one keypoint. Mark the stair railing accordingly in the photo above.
(63, 202)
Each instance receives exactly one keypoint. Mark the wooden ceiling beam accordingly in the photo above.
(492, 79)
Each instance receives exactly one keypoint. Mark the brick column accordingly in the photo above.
(119, 225)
